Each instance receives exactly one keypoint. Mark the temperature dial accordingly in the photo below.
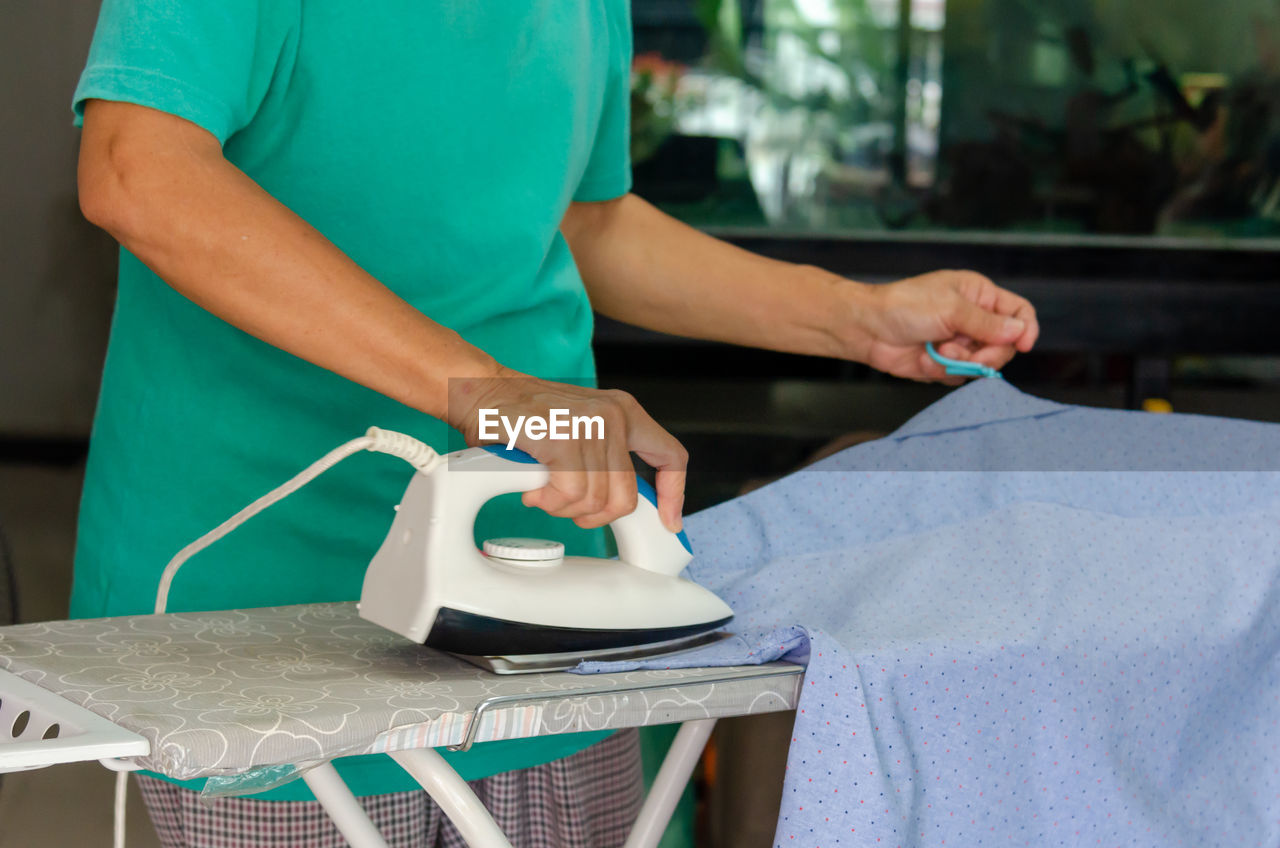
(527, 553)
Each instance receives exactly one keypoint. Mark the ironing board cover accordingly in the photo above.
(259, 694)
(1025, 624)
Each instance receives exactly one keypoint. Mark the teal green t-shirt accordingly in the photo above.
(438, 144)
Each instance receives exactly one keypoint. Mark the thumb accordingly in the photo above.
(988, 327)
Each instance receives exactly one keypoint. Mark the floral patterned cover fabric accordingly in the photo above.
(264, 692)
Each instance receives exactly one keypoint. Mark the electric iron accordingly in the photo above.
(521, 605)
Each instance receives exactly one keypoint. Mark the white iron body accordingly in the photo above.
(429, 583)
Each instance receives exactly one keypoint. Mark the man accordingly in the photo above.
(336, 215)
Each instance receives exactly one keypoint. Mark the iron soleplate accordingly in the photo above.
(515, 647)
(531, 663)
(480, 635)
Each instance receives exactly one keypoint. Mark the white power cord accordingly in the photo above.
(418, 454)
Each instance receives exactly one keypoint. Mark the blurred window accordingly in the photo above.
(1083, 117)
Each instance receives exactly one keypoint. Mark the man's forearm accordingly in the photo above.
(162, 188)
(644, 267)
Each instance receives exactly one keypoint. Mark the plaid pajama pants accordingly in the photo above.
(587, 800)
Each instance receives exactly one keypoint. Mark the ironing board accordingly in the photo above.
(250, 697)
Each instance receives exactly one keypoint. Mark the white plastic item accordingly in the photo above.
(530, 553)
(429, 563)
(429, 583)
(668, 785)
(343, 807)
(454, 797)
(39, 728)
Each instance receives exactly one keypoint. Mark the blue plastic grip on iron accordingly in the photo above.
(646, 491)
(960, 368)
(513, 454)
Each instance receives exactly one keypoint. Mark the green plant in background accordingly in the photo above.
(1105, 116)
(847, 40)
(825, 120)
(654, 86)
(1102, 117)
(722, 21)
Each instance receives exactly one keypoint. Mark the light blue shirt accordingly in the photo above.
(1024, 624)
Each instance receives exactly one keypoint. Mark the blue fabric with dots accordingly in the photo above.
(1024, 624)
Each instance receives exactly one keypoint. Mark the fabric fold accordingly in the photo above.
(1020, 620)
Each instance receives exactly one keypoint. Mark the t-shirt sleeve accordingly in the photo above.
(208, 61)
(608, 172)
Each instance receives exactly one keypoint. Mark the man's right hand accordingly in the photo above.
(592, 481)
(162, 187)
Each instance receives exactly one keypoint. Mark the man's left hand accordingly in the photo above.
(963, 313)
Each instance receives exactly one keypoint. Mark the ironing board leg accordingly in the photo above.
(453, 796)
(336, 798)
(478, 828)
(669, 785)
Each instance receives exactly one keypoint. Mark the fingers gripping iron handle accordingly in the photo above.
(642, 538)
